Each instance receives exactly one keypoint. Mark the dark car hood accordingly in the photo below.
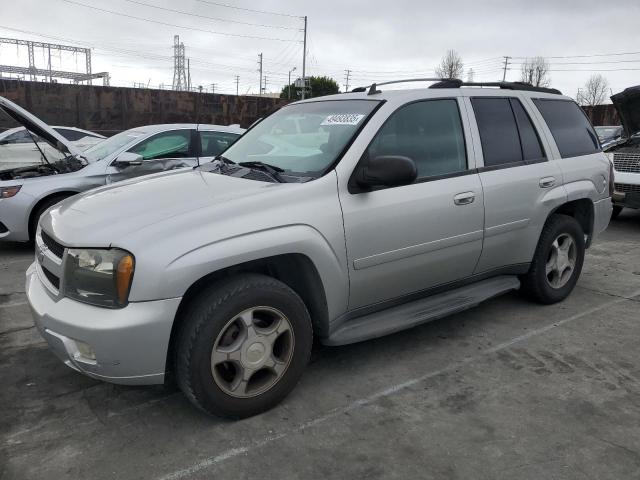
(627, 104)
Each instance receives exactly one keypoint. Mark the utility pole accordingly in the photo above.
(264, 84)
(188, 74)
(237, 84)
(506, 64)
(346, 86)
(260, 63)
(213, 88)
(304, 59)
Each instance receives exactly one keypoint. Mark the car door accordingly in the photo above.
(213, 143)
(521, 186)
(405, 240)
(160, 152)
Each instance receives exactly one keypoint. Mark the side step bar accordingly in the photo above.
(420, 311)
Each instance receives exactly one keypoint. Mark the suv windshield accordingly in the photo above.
(303, 139)
(110, 145)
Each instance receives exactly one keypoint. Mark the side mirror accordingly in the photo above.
(387, 171)
(128, 159)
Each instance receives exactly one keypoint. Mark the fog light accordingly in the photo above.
(85, 352)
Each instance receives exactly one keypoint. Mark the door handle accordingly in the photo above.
(547, 182)
(464, 198)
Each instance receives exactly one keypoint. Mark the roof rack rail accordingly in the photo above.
(457, 83)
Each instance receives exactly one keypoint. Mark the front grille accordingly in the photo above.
(55, 247)
(627, 162)
(55, 281)
(626, 188)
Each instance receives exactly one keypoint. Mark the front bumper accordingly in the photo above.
(130, 344)
(14, 216)
(627, 191)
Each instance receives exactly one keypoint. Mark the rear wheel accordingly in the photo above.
(243, 346)
(557, 262)
(617, 209)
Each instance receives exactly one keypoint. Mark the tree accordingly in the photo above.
(319, 86)
(451, 66)
(594, 91)
(536, 72)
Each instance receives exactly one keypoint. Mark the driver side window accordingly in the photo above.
(21, 136)
(429, 132)
(171, 144)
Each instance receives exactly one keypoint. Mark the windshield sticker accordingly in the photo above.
(343, 119)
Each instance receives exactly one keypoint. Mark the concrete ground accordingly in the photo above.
(506, 390)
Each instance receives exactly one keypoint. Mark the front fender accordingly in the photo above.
(186, 269)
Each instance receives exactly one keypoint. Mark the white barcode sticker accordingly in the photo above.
(343, 119)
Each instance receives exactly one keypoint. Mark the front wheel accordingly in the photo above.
(617, 209)
(558, 260)
(243, 346)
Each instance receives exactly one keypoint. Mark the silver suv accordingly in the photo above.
(343, 218)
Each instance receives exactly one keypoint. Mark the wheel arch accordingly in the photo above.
(60, 194)
(295, 270)
(582, 210)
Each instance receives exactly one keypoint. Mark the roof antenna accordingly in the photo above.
(373, 90)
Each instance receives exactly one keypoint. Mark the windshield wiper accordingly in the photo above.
(272, 170)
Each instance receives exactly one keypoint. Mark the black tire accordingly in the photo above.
(39, 210)
(617, 209)
(207, 316)
(535, 283)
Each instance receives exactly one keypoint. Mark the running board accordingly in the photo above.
(420, 311)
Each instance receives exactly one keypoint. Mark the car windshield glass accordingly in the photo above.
(303, 139)
(608, 132)
(111, 145)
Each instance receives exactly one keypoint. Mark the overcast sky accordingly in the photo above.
(376, 40)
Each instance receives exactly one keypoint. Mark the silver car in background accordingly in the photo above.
(25, 193)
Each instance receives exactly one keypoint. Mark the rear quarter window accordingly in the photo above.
(569, 126)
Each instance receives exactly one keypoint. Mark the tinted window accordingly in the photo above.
(214, 143)
(569, 126)
(531, 148)
(172, 144)
(429, 132)
(498, 131)
(21, 136)
(71, 135)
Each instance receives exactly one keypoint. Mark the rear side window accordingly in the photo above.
(71, 135)
(506, 132)
(428, 132)
(214, 143)
(569, 126)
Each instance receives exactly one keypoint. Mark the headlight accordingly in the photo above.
(8, 192)
(98, 277)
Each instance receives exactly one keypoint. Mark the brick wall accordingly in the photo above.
(109, 110)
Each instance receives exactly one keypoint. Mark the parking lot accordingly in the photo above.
(506, 390)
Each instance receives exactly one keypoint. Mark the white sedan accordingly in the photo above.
(17, 147)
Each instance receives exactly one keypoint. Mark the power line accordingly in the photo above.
(104, 10)
(226, 20)
(249, 9)
(589, 55)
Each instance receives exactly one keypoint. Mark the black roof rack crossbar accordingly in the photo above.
(457, 83)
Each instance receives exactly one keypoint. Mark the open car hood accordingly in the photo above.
(627, 104)
(38, 127)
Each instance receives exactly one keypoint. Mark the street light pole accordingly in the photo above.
(289, 84)
(304, 59)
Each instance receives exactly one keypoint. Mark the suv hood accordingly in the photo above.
(37, 126)
(107, 214)
(627, 104)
